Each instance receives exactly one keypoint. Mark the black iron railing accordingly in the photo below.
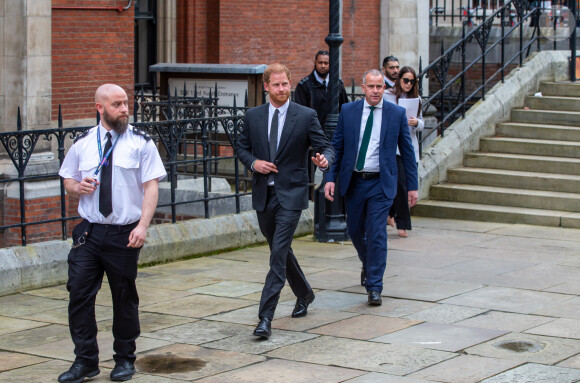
(196, 143)
(452, 87)
(448, 74)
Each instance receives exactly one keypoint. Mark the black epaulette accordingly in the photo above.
(141, 133)
(83, 135)
(303, 81)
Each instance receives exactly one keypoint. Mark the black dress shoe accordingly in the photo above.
(375, 298)
(363, 277)
(123, 370)
(264, 328)
(301, 308)
(78, 372)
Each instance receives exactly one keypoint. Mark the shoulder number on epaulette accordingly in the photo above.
(83, 135)
(141, 133)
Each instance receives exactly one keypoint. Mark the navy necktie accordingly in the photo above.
(105, 194)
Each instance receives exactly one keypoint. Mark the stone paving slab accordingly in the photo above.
(536, 373)
(375, 377)
(443, 313)
(213, 361)
(198, 332)
(507, 299)
(465, 369)
(12, 360)
(569, 308)
(9, 325)
(364, 327)
(315, 318)
(440, 336)
(24, 304)
(245, 342)
(197, 306)
(552, 350)
(281, 371)
(561, 328)
(229, 289)
(573, 362)
(505, 321)
(368, 356)
(431, 290)
(391, 307)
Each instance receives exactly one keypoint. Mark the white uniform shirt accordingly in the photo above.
(372, 157)
(135, 161)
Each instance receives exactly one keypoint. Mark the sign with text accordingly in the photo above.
(226, 89)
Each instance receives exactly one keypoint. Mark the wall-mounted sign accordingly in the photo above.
(226, 89)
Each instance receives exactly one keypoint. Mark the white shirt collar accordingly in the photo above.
(379, 105)
(320, 79)
(281, 109)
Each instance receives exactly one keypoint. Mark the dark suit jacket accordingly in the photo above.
(301, 130)
(394, 131)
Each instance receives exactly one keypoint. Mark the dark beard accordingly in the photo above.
(322, 76)
(118, 125)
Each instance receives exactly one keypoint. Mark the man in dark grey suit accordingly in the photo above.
(274, 145)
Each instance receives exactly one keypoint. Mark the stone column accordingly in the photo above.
(25, 63)
(166, 31)
(405, 31)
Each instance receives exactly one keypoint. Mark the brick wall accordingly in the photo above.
(89, 48)
(290, 32)
(38, 209)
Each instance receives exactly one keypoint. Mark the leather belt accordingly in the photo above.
(366, 175)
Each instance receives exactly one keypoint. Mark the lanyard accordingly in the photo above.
(104, 158)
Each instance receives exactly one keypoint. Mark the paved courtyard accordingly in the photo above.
(462, 302)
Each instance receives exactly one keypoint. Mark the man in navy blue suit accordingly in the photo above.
(365, 144)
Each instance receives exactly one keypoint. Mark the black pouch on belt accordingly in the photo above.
(85, 232)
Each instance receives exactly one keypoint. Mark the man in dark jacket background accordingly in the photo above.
(312, 90)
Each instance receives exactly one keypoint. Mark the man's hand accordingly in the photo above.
(329, 191)
(413, 196)
(265, 167)
(320, 161)
(137, 236)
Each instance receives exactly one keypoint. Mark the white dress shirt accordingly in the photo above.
(320, 79)
(135, 161)
(372, 156)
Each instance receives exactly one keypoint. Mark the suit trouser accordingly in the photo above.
(400, 209)
(278, 226)
(105, 250)
(366, 220)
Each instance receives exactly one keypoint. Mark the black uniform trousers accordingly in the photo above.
(105, 251)
(278, 226)
(400, 209)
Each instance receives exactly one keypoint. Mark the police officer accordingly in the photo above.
(312, 90)
(113, 156)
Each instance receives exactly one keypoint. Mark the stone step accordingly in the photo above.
(492, 213)
(515, 179)
(560, 89)
(554, 103)
(538, 131)
(490, 195)
(551, 117)
(522, 162)
(530, 146)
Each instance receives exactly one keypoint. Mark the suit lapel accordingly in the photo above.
(289, 124)
(264, 129)
(385, 122)
(356, 122)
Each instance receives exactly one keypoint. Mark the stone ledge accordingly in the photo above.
(45, 264)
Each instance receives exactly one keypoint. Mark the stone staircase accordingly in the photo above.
(528, 173)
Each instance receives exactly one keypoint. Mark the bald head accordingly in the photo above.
(105, 91)
(113, 106)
